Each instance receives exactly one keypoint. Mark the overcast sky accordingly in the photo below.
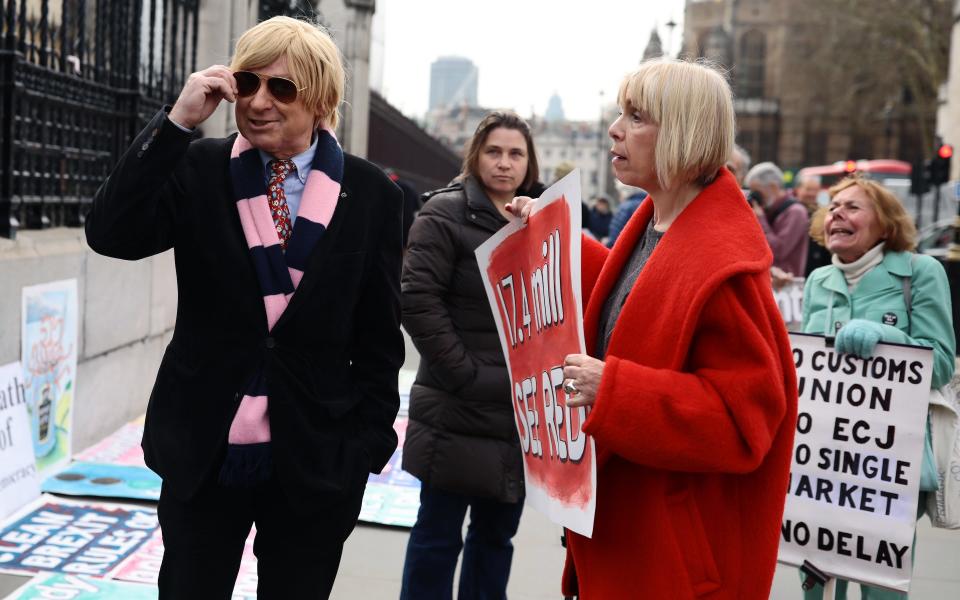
(525, 50)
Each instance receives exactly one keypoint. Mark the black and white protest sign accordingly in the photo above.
(854, 480)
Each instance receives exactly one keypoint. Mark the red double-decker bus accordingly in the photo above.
(882, 170)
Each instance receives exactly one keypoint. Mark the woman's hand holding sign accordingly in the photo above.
(581, 374)
(521, 206)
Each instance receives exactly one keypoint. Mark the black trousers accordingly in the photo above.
(297, 555)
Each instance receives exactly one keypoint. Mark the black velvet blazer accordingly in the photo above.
(332, 359)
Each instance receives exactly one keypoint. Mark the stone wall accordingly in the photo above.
(126, 316)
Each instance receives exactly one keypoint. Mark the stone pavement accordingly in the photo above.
(373, 562)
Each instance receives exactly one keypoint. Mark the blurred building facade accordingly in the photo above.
(654, 46)
(454, 126)
(948, 118)
(573, 144)
(554, 109)
(453, 82)
(784, 109)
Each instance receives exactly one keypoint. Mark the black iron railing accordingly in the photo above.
(78, 79)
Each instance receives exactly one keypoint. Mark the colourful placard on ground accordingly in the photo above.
(143, 566)
(63, 586)
(390, 505)
(851, 507)
(531, 275)
(71, 537)
(392, 497)
(106, 481)
(122, 447)
(19, 483)
(48, 354)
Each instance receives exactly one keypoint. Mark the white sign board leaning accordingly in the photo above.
(19, 484)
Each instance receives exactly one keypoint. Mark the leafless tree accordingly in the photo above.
(882, 61)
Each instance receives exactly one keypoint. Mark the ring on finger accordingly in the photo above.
(570, 388)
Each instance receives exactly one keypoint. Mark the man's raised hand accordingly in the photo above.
(202, 94)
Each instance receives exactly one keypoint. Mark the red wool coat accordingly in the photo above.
(695, 414)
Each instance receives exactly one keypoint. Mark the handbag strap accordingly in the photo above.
(906, 283)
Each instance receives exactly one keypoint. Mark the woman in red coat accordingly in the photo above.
(689, 378)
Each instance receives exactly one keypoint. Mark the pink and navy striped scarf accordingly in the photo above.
(248, 459)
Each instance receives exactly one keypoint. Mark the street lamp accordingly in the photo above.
(670, 25)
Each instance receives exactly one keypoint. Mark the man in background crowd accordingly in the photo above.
(784, 221)
(739, 163)
(626, 209)
(807, 191)
(600, 216)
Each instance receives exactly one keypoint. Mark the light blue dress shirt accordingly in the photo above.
(293, 186)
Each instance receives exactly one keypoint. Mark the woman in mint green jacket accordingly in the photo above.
(861, 296)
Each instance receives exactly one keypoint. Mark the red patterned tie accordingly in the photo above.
(277, 198)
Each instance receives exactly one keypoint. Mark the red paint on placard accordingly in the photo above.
(545, 330)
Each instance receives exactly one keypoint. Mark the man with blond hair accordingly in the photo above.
(277, 394)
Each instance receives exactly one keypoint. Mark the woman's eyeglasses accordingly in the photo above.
(281, 88)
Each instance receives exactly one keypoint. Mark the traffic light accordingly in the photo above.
(938, 168)
(918, 179)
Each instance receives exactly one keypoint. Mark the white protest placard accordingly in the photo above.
(851, 507)
(790, 302)
(19, 483)
(532, 277)
(48, 353)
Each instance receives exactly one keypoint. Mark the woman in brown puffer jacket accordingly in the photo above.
(462, 438)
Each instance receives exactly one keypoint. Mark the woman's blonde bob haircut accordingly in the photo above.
(313, 61)
(692, 104)
(901, 232)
